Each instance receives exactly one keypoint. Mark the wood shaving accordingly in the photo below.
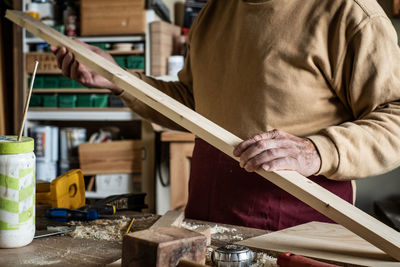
(109, 230)
(217, 232)
(263, 260)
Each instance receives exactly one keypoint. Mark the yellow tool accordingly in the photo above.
(66, 191)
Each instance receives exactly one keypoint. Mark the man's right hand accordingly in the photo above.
(77, 71)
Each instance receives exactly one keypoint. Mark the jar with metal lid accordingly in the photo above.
(17, 191)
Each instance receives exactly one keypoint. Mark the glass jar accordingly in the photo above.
(17, 191)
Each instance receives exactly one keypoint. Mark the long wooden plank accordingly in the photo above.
(299, 186)
(322, 241)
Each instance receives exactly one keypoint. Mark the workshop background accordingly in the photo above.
(77, 127)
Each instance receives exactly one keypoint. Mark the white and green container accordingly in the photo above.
(17, 191)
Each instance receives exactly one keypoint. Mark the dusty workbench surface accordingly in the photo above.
(68, 251)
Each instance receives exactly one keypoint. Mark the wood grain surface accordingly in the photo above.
(322, 241)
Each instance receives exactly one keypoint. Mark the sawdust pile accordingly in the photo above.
(263, 260)
(109, 230)
(217, 232)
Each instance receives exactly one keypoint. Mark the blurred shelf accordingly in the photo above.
(97, 39)
(71, 91)
(82, 114)
(119, 52)
(59, 71)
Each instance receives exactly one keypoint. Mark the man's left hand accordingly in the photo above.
(277, 150)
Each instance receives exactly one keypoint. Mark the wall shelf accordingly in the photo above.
(82, 114)
(97, 39)
(70, 91)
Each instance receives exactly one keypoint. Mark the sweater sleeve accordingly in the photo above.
(181, 91)
(368, 83)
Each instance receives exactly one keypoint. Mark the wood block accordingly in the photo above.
(163, 247)
(206, 231)
(112, 157)
(170, 218)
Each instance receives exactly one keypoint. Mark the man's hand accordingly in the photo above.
(277, 150)
(73, 69)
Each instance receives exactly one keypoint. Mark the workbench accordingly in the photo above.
(68, 251)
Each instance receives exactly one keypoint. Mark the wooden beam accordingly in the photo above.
(299, 186)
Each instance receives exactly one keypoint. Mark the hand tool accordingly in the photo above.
(66, 191)
(132, 201)
(66, 215)
(54, 230)
(101, 210)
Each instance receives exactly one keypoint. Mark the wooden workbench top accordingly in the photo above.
(68, 251)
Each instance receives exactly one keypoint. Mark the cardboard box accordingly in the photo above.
(112, 157)
(48, 62)
(117, 17)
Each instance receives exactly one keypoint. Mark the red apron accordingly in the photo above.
(220, 191)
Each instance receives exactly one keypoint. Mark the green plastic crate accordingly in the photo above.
(36, 101)
(85, 101)
(67, 101)
(135, 62)
(121, 61)
(38, 82)
(50, 101)
(51, 81)
(100, 101)
(77, 85)
(65, 82)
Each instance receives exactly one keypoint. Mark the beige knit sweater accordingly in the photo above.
(328, 70)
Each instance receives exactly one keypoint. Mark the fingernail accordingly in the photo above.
(241, 164)
(266, 167)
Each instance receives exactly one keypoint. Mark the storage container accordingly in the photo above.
(111, 157)
(17, 191)
(50, 101)
(67, 101)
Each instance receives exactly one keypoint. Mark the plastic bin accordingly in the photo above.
(100, 101)
(77, 85)
(50, 81)
(67, 101)
(85, 101)
(135, 62)
(36, 101)
(65, 82)
(38, 82)
(116, 102)
(121, 61)
(50, 101)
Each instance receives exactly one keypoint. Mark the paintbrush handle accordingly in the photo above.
(28, 99)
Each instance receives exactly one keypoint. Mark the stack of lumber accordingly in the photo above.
(162, 44)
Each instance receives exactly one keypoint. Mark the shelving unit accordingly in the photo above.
(80, 117)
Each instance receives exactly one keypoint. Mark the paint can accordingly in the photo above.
(46, 151)
(17, 191)
(70, 139)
